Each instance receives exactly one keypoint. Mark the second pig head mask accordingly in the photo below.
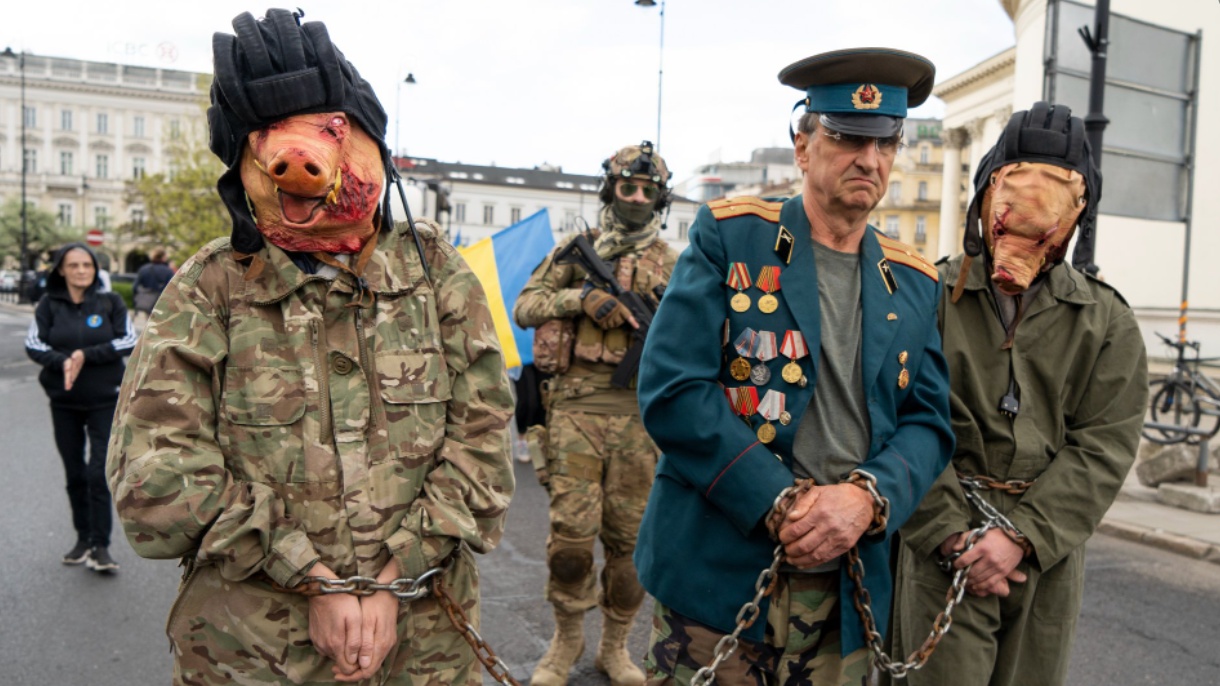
(302, 135)
(1032, 190)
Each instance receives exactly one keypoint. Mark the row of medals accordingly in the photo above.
(741, 369)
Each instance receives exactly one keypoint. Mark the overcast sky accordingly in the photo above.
(519, 83)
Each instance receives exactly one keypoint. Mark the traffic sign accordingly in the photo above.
(95, 237)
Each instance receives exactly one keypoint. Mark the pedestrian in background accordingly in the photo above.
(1049, 388)
(80, 336)
(151, 279)
(599, 461)
(796, 342)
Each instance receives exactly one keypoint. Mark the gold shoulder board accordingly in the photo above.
(736, 207)
(901, 253)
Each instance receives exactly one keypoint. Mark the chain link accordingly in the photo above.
(495, 666)
(985, 483)
(406, 589)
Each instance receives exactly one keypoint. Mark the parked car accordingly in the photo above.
(8, 281)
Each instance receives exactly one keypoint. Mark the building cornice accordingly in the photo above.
(91, 88)
(987, 70)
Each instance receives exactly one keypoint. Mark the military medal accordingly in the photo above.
(904, 377)
(768, 282)
(745, 346)
(739, 280)
(794, 348)
(771, 408)
(743, 400)
(765, 352)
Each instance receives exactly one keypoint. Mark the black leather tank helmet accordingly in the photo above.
(1045, 133)
(273, 68)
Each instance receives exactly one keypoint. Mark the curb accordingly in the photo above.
(1158, 538)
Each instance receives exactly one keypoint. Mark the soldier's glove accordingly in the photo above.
(603, 308)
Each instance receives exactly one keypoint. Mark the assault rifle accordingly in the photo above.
(578, 252)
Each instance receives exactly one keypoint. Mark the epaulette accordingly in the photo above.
(746, 204)
(901, 253)
(1102, 282)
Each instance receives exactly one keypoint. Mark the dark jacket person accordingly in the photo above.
(80, 336)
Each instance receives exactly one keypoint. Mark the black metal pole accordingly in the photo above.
(1095, 121)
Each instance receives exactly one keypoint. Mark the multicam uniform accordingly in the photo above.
(599, 457)
(269, 422)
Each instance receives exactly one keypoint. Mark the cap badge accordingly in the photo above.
(866, 97)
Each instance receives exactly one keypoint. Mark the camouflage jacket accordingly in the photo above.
(266, 423)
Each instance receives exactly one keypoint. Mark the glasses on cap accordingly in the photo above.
(628, 189)
(850, 142)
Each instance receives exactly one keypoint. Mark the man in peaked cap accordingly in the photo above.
(320, 397)
(599, 460)
(796, 344)
(1049, 392)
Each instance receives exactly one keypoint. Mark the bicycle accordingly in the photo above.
(1184, 398)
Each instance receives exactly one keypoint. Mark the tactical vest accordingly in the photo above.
(640, 272)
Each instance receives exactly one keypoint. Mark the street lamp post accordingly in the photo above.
(22, 295)
(660, 63)
(398, 110)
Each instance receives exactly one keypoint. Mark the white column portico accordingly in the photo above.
(948, 242)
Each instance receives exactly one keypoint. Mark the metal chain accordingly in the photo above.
(986, 483)
(405, 589)
(495, 666)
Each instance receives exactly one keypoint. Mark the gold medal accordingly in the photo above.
(766, 433)
(904, 378)
(792, 372)
(740, 302)
(740, 369)
(768, 304)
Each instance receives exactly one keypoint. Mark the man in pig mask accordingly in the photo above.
(320, 397)
(1049, 387)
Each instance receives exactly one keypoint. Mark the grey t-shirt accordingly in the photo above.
(833, 436)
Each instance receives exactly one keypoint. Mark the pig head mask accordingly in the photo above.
(1032, 191)
(302, 135)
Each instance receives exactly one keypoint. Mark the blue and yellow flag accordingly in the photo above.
(503, 262)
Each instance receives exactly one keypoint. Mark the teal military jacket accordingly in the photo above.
(702, 542)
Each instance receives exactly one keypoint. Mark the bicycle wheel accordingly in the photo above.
(1173, 403)
(1208, 405)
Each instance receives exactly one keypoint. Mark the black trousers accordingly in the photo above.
(87, 490)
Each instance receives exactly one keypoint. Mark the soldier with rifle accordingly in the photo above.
(591, 302)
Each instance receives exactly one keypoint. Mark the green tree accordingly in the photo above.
(42, 232)
(182, 209)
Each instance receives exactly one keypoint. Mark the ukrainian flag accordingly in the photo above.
(503, 262)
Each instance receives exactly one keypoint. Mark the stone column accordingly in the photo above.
(948, 237)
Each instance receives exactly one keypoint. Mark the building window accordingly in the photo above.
(31, 117)
(103, 123)
(175, 129)
(921, 229)
(101, 217)
(65, 163)
(923, 190)
(137, 127)
(895, 191)
(30, 161)
(569, 220)
(923, 154)
(459, 212)
(137, 168)
(683, 230)
(65, 120)
(514, 215)
(137, 217)
(64, 215)
(489, 215)
(891, 225)
(103, 166)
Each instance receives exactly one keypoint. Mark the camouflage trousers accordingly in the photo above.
(601, 470)
(246, 632)
(801, 645)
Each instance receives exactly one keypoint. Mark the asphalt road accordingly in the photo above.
(1149, 617)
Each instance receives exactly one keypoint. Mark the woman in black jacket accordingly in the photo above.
(80, 337)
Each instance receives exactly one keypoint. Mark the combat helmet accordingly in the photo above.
(638, 162)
